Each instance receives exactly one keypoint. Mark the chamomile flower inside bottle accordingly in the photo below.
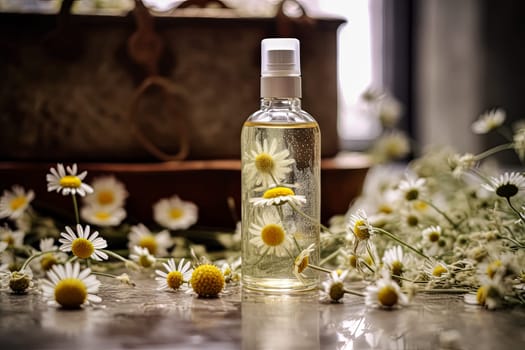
(280, 151)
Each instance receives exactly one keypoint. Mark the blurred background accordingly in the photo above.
(442, 62)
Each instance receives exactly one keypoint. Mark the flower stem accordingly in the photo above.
(454, 224)
(494, 150)
(391, 236)
(445, 290)
(330, 257)
(514, 209)
(32, 257)
(349, 291)
(75, 207)
(319, 268)
(116, 256)
(303, 214)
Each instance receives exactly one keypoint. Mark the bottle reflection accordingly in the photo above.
(280, 321)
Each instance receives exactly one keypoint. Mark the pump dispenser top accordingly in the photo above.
(280, 68)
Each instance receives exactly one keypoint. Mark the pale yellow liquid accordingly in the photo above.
(270, 272)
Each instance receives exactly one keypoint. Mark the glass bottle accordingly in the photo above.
(280, 153)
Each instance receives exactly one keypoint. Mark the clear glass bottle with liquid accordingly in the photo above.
(281, 156)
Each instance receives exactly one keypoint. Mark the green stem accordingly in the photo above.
(494, 150)
(454, 224)
(34, 256)
(75, 207)
(444, 290)
(391, 236)
(370, 253)
(349, 291)
(361, 261)
(115, 255)
(303, 214)
(73, 258)
(330, 257)
(319, 268)
(514, 209)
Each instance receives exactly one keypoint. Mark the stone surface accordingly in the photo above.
(142, 318)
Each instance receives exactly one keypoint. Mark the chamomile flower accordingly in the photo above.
(432, 234)
(266, 165)
(15, 202)
(334, 288)
(108, 192)
(52, 257)
(20, 281)
(395, 260)
(489, 121)
(385, 293)
(70, 287)
(436, 270)
(11, 238)
(207, 281)
(83, 244)
(411, 188)
(278, 196)
(174, 276)
(174, 213)
(67, 183)
(393, 145)
(142, 257)
(301, 262)
(459, 164)
(360, 226)
(102, 215)
(157, 244)
(506, 185)
(489, 295)
(269, 235)
(519, 143)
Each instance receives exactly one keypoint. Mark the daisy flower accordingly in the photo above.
(333, 288)
(489, 295)
(459, 164)
(489, 121)
(52, 257)
(67, 183)
(360, 226)
(394, 259)
(266, 166)
(83, 244)
(20, 281)
(506, 185)
(102, 215)
(14, 203)
(301, 262)
(385, 293)
(11, 238)
(107, 192)
(431, 234)
(436, 269)
(269, 236)
(278, 196)
(174, 276)
(411, 187)
(174, 213)
(393, 145)
(70, 287)
(157, 244)
(207, 281)
(142, 256)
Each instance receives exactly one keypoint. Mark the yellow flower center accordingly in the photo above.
(411, 194)
(397, 268)
(352, 260)
(17, 203)
(176, 213)
(433, 236)
(148, 241)
(439, 270)
(207, 280)
(71, 293)
(19, 282)
(264, 163)
(102, 215)
(47, 261)
(174, 279)
(278, 192)
(385, 209)
(82, 248)
(272, 235)
(361, 230)
(9, 239)
(493, 267)
(302, 264)
(412, 220)
(387, 296)
(105, 197)
(336, 291)
(70, 181)
(145, 261)
(481, 295)
(420, 206)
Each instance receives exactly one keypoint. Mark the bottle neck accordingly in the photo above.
(280, 86)
(289, 103)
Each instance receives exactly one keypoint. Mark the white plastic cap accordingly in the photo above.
(280, 57)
